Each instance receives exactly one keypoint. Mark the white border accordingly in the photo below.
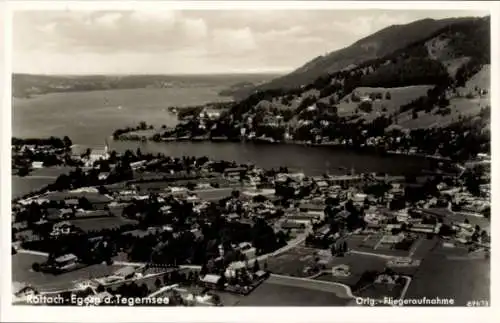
(230, 314)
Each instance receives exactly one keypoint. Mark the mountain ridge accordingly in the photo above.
(376, 45)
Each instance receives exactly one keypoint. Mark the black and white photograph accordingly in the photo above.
(247, 156)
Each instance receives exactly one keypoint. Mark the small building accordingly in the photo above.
(423, 228)
(261, 274)
(71, 202)
(66, 262)
(322, 184)
(234, 172)
(210, 281)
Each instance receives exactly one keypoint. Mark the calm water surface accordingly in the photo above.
(89, 117)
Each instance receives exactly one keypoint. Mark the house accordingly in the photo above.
(306, 207)
(247, 249)
(359, 198)
(66, 262)
(71, 202)
(37, 164)
(264, 192)
(392, 239)
(261, 274)
(61, 228)
(302, 218)
(234, 173)
(211, 114)
(138, 164)
(103, 176)
(125, 272)
(423, 228)
(210, 281)
(99, 154)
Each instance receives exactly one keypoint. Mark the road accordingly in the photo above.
(340, 290)
(371, 254)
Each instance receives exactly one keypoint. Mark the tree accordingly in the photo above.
(235, 194)
(204, 270)
(67, 142)
(166, 279)
(222, 282)
(36, 267)
(344, 246)
(84, 203)
(256, 266)
(157, 283)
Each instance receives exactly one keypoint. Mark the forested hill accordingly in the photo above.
(377, 45)
(448, 70)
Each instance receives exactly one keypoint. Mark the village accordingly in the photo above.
(207, 233)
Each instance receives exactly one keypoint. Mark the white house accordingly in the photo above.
(37, 164)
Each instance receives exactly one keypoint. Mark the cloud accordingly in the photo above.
(232, 41)
(109, 20)
(164, 41)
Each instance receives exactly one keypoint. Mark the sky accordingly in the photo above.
(191, 41)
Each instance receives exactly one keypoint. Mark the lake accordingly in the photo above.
(310, 160)
(89, 117)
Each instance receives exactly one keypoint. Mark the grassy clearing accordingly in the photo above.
(458, 106)
(270, 294)
(399, 97)
(291, 262)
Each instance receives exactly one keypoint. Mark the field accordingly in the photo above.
(292, 262)
(101, 223)
(37, 179)
(458, 106)
(378, 291)
(371, 243)
(462, 280)
(22, 272)
(272, 294)
(25, 185)
(399, 97)
(458, 217)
